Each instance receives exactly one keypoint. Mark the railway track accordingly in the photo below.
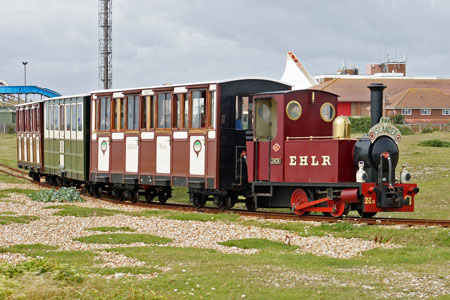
(260, 214)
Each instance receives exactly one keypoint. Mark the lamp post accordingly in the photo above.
(25, 75)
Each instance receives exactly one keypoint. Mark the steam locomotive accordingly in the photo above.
(242, 140)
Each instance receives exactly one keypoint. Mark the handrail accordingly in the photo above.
(288, 138)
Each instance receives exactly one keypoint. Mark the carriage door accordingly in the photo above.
(265, 133)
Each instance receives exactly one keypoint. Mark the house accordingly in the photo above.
(355, 96)
(421, 106)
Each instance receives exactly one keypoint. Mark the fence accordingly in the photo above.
(7, 128)
(420, 127)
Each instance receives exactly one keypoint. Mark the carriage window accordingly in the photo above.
(244, 112)
(56, 115)
(143, 113)
(177, 110)
(105, 111)
(61, 117)
(74, 116)
(265, 119)
(198, 109)
(118, 113)
(38, 123)
(164, 110)
(147, 107)
(213, 109)
(68, 117)
(132, 112)
(327, 112)
(186, 110)
(80, 117)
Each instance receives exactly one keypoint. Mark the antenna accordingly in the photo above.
(105, 44)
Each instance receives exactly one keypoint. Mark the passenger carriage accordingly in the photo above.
(29, 137)
(66, 139)
(187, 135)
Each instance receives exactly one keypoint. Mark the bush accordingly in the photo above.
(361, 124)
(405, 130)
(10, 128)
(63, 195)
(398, 119)
(427, 129)
(435, 143)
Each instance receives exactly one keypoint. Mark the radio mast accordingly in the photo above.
(105, 44)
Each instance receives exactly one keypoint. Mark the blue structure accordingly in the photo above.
(28, 89)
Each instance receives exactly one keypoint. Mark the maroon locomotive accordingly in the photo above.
(301, 156)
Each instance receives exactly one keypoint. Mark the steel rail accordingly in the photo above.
(259, 214)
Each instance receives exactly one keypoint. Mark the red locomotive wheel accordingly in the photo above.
(298, 198)
(339, 209)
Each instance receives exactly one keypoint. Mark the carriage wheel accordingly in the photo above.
(198, 200)
(58, 181)
(222, 202)
(250, 203)
(97, 190)
(134, 195)
(298, 198)
(149, 195)
(163, 196)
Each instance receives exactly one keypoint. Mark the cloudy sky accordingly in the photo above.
(176, 41)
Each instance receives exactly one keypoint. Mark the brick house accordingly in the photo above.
(354, 95)
(421, 106)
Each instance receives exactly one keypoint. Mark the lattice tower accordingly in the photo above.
(105, 44)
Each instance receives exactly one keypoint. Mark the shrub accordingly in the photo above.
(398, 119)
(427, 129)
(435, 143)
(361, 124)
(10, 128)
(63, 195)
(405, 130)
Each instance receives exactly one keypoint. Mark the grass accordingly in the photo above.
(5, 220)
(111, 229)
(8, 149)
(4, 193)
(276, 271)
(261, 244)
(78, 211)
(123, 238)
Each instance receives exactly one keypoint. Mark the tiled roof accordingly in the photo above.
(355, 90)
(420, 98)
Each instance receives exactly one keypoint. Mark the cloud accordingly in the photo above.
(194, 40)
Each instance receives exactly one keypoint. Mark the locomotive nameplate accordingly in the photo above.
(275, 161)
(385, 127)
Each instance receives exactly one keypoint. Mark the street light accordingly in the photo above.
(25, 70)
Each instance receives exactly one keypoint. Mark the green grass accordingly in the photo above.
(10, 179)
(111, 229)
(78, 211)
(261, 244)
(4, 193)
(8, 149)
(5, 220)
(123, 238)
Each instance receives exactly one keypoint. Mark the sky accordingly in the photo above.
(181, 41)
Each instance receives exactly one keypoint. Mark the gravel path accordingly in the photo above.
(60, 231)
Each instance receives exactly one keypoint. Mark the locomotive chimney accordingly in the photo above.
(376, 102)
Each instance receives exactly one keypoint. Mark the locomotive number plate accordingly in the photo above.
(275, 161)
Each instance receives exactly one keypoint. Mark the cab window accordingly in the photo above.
(265, 119)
